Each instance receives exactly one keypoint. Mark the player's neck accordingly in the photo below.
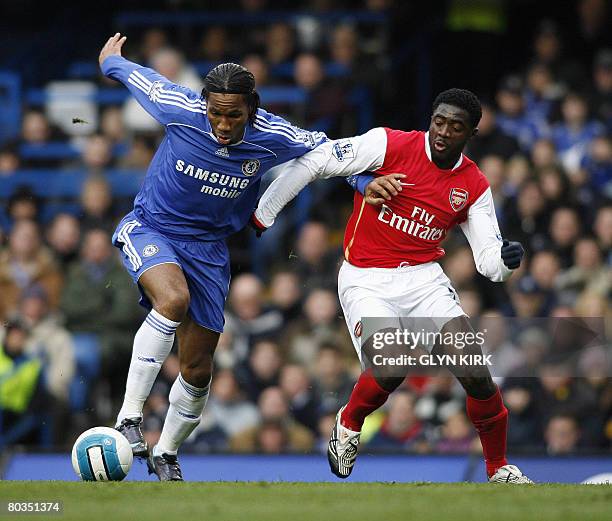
(447, 164)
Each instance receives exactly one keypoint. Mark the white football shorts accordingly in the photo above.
(422, 291)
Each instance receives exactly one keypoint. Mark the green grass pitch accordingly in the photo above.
(313, 501)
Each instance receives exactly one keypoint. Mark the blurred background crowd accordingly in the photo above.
(285, 363)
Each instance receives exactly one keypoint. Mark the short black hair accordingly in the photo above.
(231, 78)
(464, 99)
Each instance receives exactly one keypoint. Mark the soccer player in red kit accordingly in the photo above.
(422, 187)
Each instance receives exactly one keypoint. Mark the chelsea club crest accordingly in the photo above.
(149, 250)
(250, 167)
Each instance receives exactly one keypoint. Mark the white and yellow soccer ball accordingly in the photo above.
(102, 454)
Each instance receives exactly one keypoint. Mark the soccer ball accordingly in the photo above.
(102, 454)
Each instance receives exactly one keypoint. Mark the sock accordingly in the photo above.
(367, 396)
(152, 344)
(186, 405)
(490, 417)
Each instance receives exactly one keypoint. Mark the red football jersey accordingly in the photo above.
(408, 229)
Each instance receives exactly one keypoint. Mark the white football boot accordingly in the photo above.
(509, 474)
(342, 449)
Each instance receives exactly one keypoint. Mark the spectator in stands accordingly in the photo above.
(49, 341)
(140, 153)
(112, 125)
(545, 268)
(23, 204)
(24, 262)
(513, 119)
(602, 95)
(528, 299)
(262, 370)
(316, 261)
(597, 166)
(23, 398)
(9, 160)
(555, 188)
(544, 154)
(494, 168)
(326, 106)
(490, 140)
(525, 217)
(457, 436)
(228, 412)
(564, 231)
(542, 92)
(214, 46)
(36, 131)
(273, 407)
(279, 44)
(588, 272)
(299, 390)
(63, 237)
(332, 380)
(170, 63)
(97, 208)
(440, 398)
(401, 429)
(152, 41)
(248, 319)
(286, 295)
(603, 232)
(572, 135)
(97, 154)
(562, 435)
(319, 324)
(98, 298)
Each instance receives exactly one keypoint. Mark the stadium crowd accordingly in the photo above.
(285, 363)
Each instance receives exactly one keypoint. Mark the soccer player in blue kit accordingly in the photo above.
(201, 186)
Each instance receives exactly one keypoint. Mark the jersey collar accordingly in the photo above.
(428, 152)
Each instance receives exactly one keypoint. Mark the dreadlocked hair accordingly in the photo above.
(464, 99)
(231, 78)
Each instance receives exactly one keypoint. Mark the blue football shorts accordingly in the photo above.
(205, 265)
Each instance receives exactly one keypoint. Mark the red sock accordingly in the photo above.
(367, 396)
(490, 417)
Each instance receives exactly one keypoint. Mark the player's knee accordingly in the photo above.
(198, 376)
(174, 304)
(478, 387)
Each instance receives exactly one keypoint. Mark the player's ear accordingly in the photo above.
(474, 132)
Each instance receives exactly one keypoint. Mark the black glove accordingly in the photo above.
(256, 225)
(512, 253)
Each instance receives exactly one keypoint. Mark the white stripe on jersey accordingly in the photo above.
(278, 125)
(280, 133)
(172, 93)
(128, 247)
(167, 99)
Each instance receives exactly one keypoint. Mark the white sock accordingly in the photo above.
(152, 344)
(186, 405)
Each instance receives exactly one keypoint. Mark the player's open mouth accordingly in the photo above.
(439, 146)
(224, 140)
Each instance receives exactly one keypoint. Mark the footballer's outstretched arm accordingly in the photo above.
(164, 100)
(342, 157)
(482, 232)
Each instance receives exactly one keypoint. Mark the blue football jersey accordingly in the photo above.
(196, 188)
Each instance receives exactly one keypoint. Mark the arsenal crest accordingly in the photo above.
(250, 166)
(458, 198)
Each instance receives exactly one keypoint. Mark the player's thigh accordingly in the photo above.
(207, 271)
(152, 262)
(431, 301)
(359, 300)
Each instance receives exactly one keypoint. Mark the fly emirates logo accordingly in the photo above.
(227, 186)
(417, 225)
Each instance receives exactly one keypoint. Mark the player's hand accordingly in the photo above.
(383, 188)
(112, 47)
(512, 254)
(257, 226)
